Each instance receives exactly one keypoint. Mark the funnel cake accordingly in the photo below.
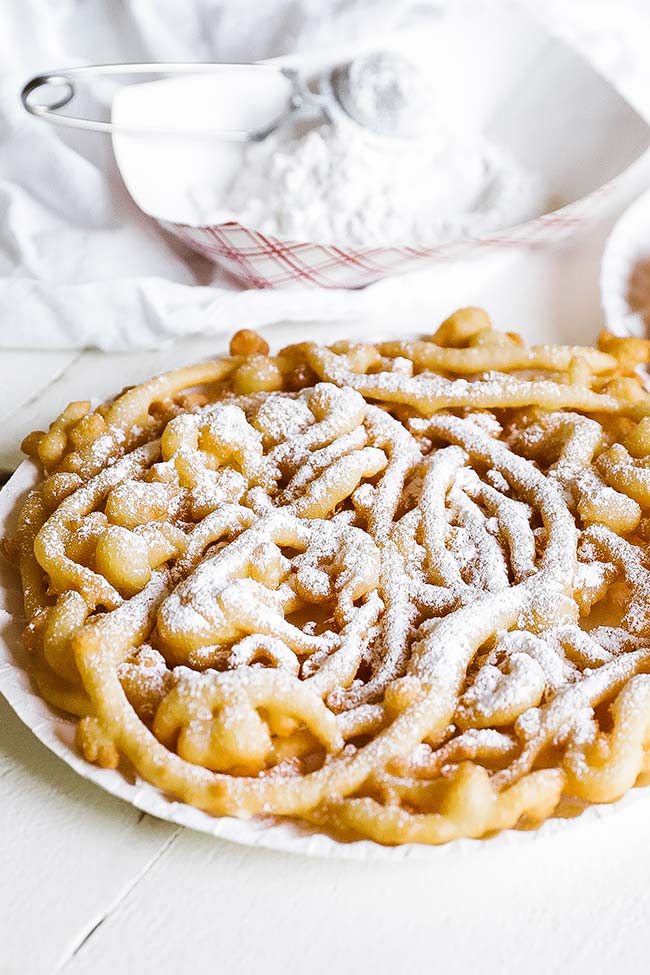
(398, 590)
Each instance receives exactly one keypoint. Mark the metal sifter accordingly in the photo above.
(382, 92)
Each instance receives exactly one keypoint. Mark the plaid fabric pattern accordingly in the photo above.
(261, 261)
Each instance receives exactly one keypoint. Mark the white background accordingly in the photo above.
(88, 884)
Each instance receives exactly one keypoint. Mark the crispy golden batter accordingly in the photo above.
(397, 590)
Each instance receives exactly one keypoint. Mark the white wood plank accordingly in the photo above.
(23, 374)
(206, 906)
(23, 378)
(69, 852)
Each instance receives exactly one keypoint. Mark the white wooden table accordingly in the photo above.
(90, 885)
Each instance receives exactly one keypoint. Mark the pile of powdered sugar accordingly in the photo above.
(335, 184)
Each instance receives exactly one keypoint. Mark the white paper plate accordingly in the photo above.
(57, 733)
(628, 242)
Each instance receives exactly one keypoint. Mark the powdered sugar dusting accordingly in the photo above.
(305, 587)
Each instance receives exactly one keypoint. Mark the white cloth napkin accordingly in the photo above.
(79, 264)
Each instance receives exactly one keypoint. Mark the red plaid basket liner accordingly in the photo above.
(262, 261)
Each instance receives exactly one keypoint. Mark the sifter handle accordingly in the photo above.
(64, 81)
